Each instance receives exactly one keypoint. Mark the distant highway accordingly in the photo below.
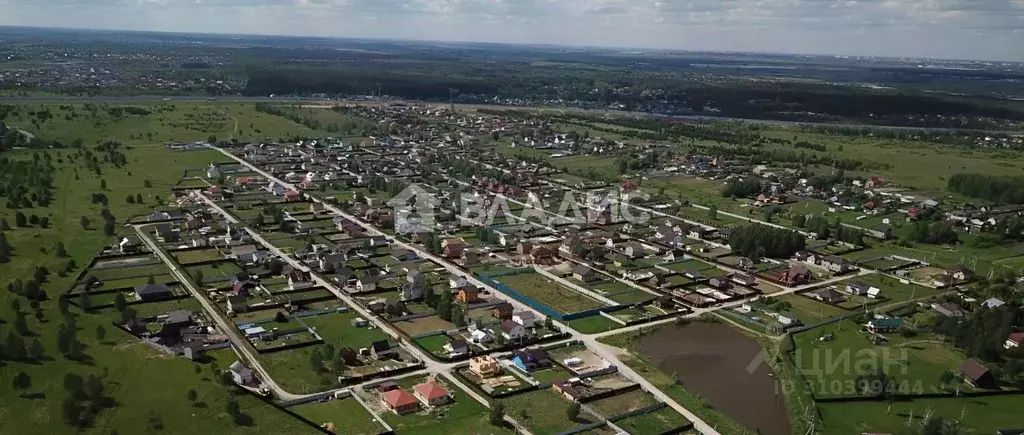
(310, 100)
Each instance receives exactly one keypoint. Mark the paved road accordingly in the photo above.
(229, 329)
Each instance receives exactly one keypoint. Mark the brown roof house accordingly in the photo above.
(977, 375)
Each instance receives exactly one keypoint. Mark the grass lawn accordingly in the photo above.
(658, 421)
(894, 290)
(112, 274)
(611, 407)
(542, 411)
(593, 324)
(808, 310)
(216, 272)
(981, 415)
(433, 344)
(549, 293)
(916, 362)
(347, 415)
(124, 365)
(550, 375)
(186, 257)
(337, 330)
(631, 296)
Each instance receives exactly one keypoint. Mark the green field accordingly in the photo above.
(165, 122)
(186, 257)
(542, 411)
(347, 415)
(661, 420)
(808, 310)
(611, 407)
(915, 363)
(129, 370)
(543, 290)
(593, 324)
(980, 415)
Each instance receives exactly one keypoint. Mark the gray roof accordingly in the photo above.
(152, 289)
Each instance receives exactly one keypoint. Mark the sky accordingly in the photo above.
(957, 29)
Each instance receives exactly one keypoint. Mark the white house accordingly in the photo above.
(367, 283)
(512, 330)
(241, 374)
(480, 336)
(525, 318)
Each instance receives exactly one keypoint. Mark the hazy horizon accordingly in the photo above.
(989, 30)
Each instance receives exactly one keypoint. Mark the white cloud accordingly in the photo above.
(942, 28)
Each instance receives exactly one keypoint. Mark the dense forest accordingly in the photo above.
(1000, 189)
(757, 240)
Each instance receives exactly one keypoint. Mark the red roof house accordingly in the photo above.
(431, 393)
(399, 401)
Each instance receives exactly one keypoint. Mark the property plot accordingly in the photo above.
(808, 310)
(433, 344)
(658, 421)
(211, 273)
(543, 411)
(115, 273)
(337, 329)
(460, 415)
(543, 290)
(424, 325)
(196, 256)
(345, 415)
(594, 324)
(980, 414)
(611, 407)
(833, 364)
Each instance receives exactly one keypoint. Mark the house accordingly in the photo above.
(993, 303)
(453, 247)
(524, 248)
(167, 233)
(883, 232)
(399, 401)
(977, 375)
(367, 283)
(316, 208)
(856, 288)
(382, 349)
(744, 279)
(484, 366)
(836, 264)
(512, 330)
(431, 393)
(583, 273)
(542, 255)
(634, 250)
(830, 296)
(299, 278)
(719, 283)
(948, 309)
(456, 347)
(502, 311)
(292, 196)
(240, 373)
(960, 272)
(152, 292)
(530, 360)
(349, 355)
(525, 318)
(1014, 340)
(468, 295)
(469, 258)
(480, 336)
(795, 275)
(377, 306)
(410, 292)
(884, 324)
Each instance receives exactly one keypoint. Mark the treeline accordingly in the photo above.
(996, 188)
(757, 240)
(983, 333)
(825, 229)
(315, 124)
(742, 188)
(934, 233)
(27, 183)
(286, 80)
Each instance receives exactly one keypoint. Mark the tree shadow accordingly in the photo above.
(34, 396)
(243, 420)
(200, 405)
